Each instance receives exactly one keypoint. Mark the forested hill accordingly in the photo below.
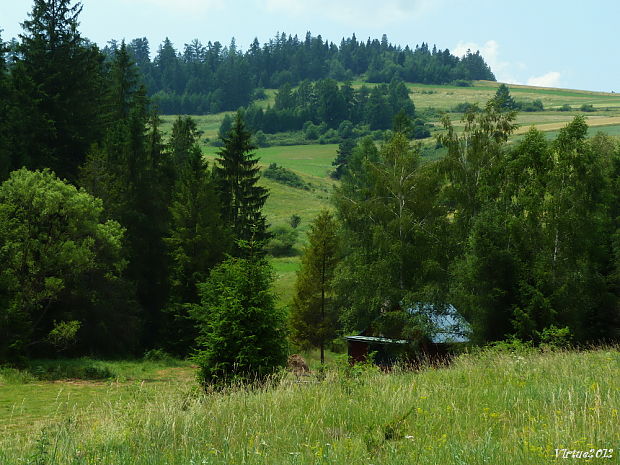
(210, 78)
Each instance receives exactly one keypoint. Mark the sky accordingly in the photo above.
(556, 43)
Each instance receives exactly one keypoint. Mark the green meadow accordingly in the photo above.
(485, 408)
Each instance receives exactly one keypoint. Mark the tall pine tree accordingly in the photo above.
(242, 198)
(314, 318)
(58, 79)
(197, 240)
(131, 174)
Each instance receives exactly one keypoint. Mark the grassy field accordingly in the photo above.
(490, 408)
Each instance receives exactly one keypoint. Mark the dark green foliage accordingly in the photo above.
(285, 176)
(393, 229)
(343, 154)
(58, 82)
(197, 239)
(6, 111)
(535, 252)
(133, 177)
(60, 262)
(314, 318)
(503, 100)
(464, 107)
(587, 108)
(565, 107)
(295, 220)
(242, 334)
(225, 127)
(283, 239)
(237, 175)
(323, 107)
(534, 105)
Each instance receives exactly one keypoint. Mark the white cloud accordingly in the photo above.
(551, 79)
(490, 51)
(355, 12)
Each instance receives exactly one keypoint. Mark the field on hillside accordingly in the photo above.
(445, 98)
(490, 408)
(313, 164)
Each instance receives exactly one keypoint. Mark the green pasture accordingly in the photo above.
(487, 408)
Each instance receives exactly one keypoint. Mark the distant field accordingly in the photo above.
(594, 122)
(313, 164)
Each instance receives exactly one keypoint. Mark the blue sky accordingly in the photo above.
(560, 43)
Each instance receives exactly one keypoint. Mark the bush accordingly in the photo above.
(82, 368)
(157, 355)
(587, 107)
(462, 83)
(565, 107)
(261, 139)
(462, 107)
(556, 338)
(242, 333)
(285, 176)
(283, 240)
(311, 131)
(535, 105)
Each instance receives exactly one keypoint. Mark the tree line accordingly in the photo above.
(522, 238)
(210, 78)
(110, 236)
(327, 102)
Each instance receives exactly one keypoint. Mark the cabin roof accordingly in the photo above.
(378, 340)
(448, 324)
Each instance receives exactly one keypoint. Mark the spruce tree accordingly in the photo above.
(314, 318)
(242, 334)
(58, 79)
(242, 198)
(197, 240)
(129, 172)
(5, 106)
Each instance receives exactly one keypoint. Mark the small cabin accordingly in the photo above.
(447, 328)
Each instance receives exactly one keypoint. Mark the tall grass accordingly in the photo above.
(490, 408)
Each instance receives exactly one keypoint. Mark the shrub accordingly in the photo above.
(311, 131)
(587, 107)
(535, 105)
(157, 355)
(565, 107)
(242, 333)
(556, 338)
(462, 83)
(285, 176)
(283, 240)
(463, 107)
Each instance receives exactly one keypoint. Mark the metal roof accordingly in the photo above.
(447, 324)
(379, 340)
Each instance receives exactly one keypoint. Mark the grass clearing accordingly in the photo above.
(487, 408)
